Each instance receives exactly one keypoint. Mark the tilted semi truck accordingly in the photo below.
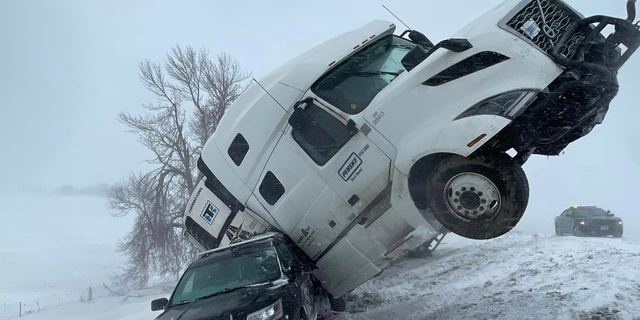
(373, 144)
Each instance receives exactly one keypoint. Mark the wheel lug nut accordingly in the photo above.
(484, 201)
(455, 200)
(459, 207)
(475, 212)
(458, 193)
(481, 208)
(479, 193)
(463, 189)
(472, 189)
(466, 211)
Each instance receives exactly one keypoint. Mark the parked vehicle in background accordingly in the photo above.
(263, 278)
(588, 221)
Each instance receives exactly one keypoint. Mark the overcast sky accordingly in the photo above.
(67, 68)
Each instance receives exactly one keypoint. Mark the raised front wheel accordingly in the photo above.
(482, 197)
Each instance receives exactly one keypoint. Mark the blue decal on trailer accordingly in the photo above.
(350, 166)
(210, 212)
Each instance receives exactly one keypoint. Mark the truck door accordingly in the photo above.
(321, 177)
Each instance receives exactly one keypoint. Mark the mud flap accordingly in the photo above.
(427, 248)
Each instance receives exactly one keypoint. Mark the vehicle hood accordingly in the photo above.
(243, 300)
(598, 219)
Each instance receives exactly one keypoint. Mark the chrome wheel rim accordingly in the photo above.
(472, 196)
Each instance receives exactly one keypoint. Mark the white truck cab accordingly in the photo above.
(372, 144)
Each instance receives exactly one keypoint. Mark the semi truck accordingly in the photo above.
(374, 144)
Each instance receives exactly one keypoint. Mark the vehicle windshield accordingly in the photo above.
(242, 269)
(354, 83)
(589, 212)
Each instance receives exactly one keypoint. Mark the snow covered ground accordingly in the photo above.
(106, 308)
(53, 248)
(517, 276)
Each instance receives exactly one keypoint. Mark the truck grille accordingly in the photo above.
(593, 226)
(558, 16)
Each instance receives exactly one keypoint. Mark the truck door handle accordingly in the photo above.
(353, 200)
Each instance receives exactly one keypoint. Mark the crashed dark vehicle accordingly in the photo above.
(588, 221)
(263, 278)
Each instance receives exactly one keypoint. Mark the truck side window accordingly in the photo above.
(238, 149)
(321, 135)
(353, 84)
(271, 188)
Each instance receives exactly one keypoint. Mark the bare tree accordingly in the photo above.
(192, 94)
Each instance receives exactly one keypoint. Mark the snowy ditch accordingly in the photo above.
(531, 275)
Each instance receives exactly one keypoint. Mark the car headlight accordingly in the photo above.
(619, 222)
(582, 223)
(271, 312)
(508, 105)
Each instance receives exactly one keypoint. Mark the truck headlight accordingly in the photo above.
(271, 312)
(508, 105)
(619, 222)
(582, 223)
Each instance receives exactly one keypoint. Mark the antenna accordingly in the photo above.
(272, 97)
(397, 17)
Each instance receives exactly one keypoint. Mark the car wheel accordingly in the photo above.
(324, 311)
(618, 234)
(481, 197)
(338, 304)
(300, 314)
(558, 233)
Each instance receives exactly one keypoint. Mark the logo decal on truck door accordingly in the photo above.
(350, 166)
(209, 213)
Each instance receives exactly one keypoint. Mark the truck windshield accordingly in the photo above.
(355, 82)
(590, 212)
(239, 270)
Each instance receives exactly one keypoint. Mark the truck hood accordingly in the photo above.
(245, 300)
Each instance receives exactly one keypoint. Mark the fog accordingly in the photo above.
(67, 68)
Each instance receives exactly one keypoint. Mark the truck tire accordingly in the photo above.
(480, 197)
